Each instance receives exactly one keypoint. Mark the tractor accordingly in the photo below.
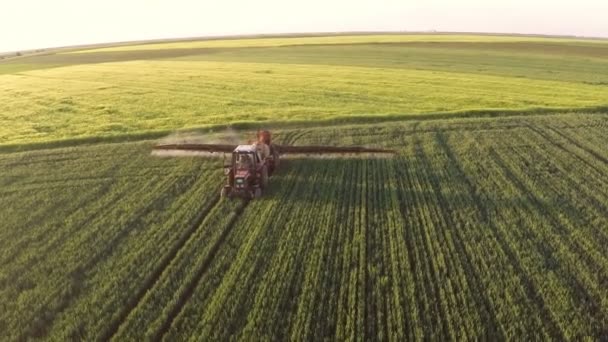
(249, 168)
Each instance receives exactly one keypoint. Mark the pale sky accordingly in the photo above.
(30, 24)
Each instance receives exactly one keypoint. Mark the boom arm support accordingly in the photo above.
(283, 149)
(321, 149)
(196, 147)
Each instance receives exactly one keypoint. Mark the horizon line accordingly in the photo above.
(289, 35)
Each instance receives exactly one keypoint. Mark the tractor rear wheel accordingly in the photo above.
(264, 177)
(275, 157)
(225, 193)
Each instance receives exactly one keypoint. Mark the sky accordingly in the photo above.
(31, 24)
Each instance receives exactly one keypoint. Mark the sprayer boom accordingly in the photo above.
(282, 149)
(251, 165)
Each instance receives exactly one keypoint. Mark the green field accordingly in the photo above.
(490, 222)
(159, 88)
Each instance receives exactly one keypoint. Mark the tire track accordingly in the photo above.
(151, 281)
(529, 286)
(580, 145)
(474, 283)
(562, 147)
(548, 248)
(185, 296)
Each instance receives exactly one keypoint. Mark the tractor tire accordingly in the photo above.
(224, 193)
(275, 156)
(257, 193)
(264, 177)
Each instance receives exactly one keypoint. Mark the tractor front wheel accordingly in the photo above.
(257, 193)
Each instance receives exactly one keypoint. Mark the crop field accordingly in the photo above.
(477, 228)
(489, 223)
(145, 89)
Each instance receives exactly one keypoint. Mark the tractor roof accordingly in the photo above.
(245, 148)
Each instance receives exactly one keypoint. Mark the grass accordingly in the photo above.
(117, 92)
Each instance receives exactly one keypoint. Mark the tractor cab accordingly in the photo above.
(245, 160)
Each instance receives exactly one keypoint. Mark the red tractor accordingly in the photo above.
(249, 168)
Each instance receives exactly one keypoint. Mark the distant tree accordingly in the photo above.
(18, 54)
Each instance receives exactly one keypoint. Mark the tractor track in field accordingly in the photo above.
(155, 276)
(576, 143)
(185, 296)
(562, 147)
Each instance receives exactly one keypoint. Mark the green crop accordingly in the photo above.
(477, 228)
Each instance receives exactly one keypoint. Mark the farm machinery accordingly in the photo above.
(249, 166)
